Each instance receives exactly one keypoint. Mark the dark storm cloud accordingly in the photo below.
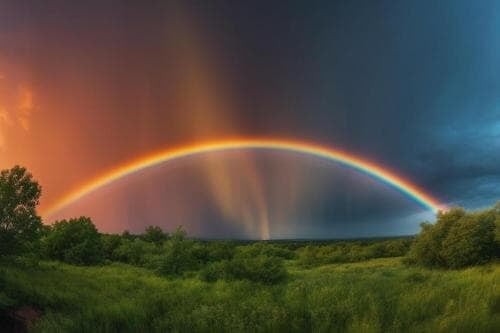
(465, 165)
(412, 85)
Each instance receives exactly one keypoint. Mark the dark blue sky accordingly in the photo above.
(413, 85)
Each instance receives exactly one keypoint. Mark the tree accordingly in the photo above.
(126, 235)
(110, 244)
(458, 239)
(75, 241)
(19, 223)
(178, 254)
(154, 234)
(426, 249)
(470, 241)
(135, 251)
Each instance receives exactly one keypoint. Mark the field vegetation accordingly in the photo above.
(76, 279)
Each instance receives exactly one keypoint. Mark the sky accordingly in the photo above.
(413, 86)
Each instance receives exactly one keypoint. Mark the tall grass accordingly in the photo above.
(379, 295)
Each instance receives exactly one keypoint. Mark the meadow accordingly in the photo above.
(69, 277)
(378, 295)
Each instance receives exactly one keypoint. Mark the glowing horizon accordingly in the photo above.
(369, 168)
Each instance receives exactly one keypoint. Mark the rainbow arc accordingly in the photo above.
(371, 169)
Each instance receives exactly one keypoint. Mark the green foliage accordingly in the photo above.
(374, 296)
(219, 250)
(260, 268)
(154, 234)
(127, 235)
(354, 251)
(496, 212)
(134, 251)
(457, 239)
(5, 300)
(218, 270)
(251, 263)
(470, 241)
(178, 254)
(74, 241)
(19, 223)
(110, 245)
(262, 248)
(231, 286)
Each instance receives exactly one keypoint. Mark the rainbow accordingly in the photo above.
(350, 160)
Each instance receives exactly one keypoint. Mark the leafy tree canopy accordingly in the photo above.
(457, 239)
(154, 234)
(75, 241)
(19, 223)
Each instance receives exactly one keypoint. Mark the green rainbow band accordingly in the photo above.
(352, 161)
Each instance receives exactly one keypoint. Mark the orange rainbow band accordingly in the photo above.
(326, 153)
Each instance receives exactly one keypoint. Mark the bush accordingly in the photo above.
(355, 251)
(248, 263)
(262, 248)
(262, 268)
(178, 254)
(75, 241)
(219, 270)
(470, 241)
(219, 250)
(397, 247)
(458, 239)
(134, 251)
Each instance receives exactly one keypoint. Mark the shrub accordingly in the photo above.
(470, 241)
(75, 241)
(262, 268)
(308, 256)
(219, 270)
(426, 249)
(248, 263)
(262, 248)
(397, 247)
(219, 250)
(458, 239)
(134, 251)
(313, 255)
(178, 254)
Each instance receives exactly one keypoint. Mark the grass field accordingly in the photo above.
(379, 295)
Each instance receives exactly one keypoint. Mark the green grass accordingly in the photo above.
(379, 295)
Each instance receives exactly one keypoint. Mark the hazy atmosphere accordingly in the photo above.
(411, 86)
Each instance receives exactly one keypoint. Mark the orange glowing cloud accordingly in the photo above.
(4, 121)
(24, 107)
(16, 108)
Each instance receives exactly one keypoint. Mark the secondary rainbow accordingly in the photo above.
(338, 156)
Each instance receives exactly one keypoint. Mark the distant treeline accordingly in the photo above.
(457, 239)
(77, 241)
